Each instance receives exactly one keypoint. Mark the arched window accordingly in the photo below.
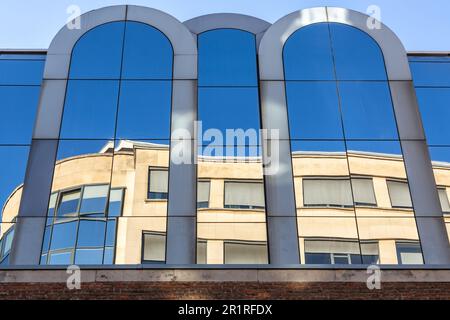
(230, 179)
(346, 154)
(110, 182)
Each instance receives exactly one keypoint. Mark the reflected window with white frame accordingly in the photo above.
(245, 252)
(363, 192)
(158, 184)
(244, 195)
(443, 198)
(399, 194)
(409, 253)
(327, 192)
(154, 247)
(203, 190)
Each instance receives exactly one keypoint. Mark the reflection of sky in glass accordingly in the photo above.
(434, 105)
(227, 57)
(318, 146)
(307, 54)
(367, 110)
(91, 105)
(13, 162)
(441, 154)
(90, 109)
(386, 147)
(431, 74)
(228, 102)
(20, 79)
(20, 71)
(17, 113)
(144, 110)
(319, 109)
(71, 148)
(432, 80)
(357, 56)
(228, 108)
(98, 54)
(313, 109)
(147, 53)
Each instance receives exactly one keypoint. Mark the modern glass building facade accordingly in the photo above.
(224, 140)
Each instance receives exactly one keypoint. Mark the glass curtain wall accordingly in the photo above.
(352, 194)
(231, 223)
(431, 75)
(114, 140)
(20, 80)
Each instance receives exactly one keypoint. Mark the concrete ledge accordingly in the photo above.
(224, 275)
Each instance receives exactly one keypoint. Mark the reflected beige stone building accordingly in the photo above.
(349, 205)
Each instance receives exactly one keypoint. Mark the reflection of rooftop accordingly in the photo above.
(125, 145)
(352, 152)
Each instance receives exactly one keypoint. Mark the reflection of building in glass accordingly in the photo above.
(367, 218)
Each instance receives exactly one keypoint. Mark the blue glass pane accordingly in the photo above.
(68, 204)
(144, 110)
(435, 74)
(115, 203)
(441, 154)
(114, 209)
(357, 56)
(5, 260)
(111, 233)
(23, 56)
(313, 109)
(229, 108)
(72, 148)
(89, 256)
(367, 110)
(427, 58)
(17, 113)
(317, 258)
(90, 109)
(94, 199)
(43, 259)
(318, 146)
(307, 54)
(8, 240)
(434, 105)
(47, 235)
(147, 54)
(391, 148)
(109, 256)
(13, 162)
(227, 57)
(91, 233)
(93, 205)
(21, 72)
(64, 235)
(98, 54)
(64, 258)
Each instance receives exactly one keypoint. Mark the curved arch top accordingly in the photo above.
(183, 42)
(228, 21)
(271, 46)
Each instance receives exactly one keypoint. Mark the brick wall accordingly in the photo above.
(225, 284)
(225, 290)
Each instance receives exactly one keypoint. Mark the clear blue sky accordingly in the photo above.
(420, 24)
